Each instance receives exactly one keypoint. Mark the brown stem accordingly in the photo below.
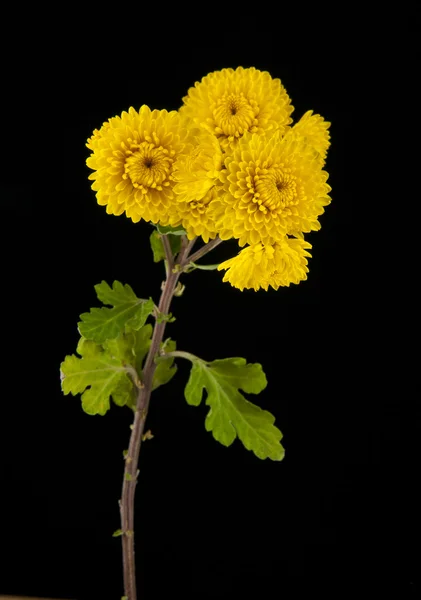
(174, 270)
(203, 250)
(142, 405)
(168, 253)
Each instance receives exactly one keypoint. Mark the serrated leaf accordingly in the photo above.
(98, 376)
(122, 347)
(158, 246)
(88, 348)
(166, 369)
(165, 229)
(138, 320)
(230, 414)
(249, 377)
(128, 312)
(118, 294)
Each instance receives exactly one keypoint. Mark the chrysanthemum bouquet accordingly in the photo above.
(228, 164)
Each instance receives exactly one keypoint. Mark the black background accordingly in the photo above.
(211, 522)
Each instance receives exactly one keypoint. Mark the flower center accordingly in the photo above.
(275, 189)
(197, 207)
(148, 166)
(234, 114)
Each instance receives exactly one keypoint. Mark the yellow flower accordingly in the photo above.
(315, 129)
(229, 103)
(197, 177)
(276, 264)
(274, 186)
(132, 158)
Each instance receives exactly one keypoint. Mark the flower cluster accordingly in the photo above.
(228, 163)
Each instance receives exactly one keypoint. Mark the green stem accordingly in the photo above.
(181, 354)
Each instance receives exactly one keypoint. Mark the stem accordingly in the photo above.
(203, 250)
(173, 272)
(181, 354)
(190, 246)
(141, 411)
(168, 253)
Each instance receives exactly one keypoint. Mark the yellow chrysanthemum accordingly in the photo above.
(133, 157)
(197, 177)
(277, 264)
(316, 131)
(229, 103)
(274, 186)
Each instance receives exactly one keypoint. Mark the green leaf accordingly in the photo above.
(175, 243)
(98, 376)
(166, 369)
(161, 318)
(128, 311)
(118, 533)
(230, 414)
(158, 246)
(164, 229)
(118, 294)
(122, 347)
(88, 348)
(142, 345)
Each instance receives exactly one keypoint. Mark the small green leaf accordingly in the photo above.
(165, 229)
(161, 318)
(128, 312)
(158, 247)
(166, 369)
(127, 477)
(179, 290)
(230, 414)
(118, 533)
